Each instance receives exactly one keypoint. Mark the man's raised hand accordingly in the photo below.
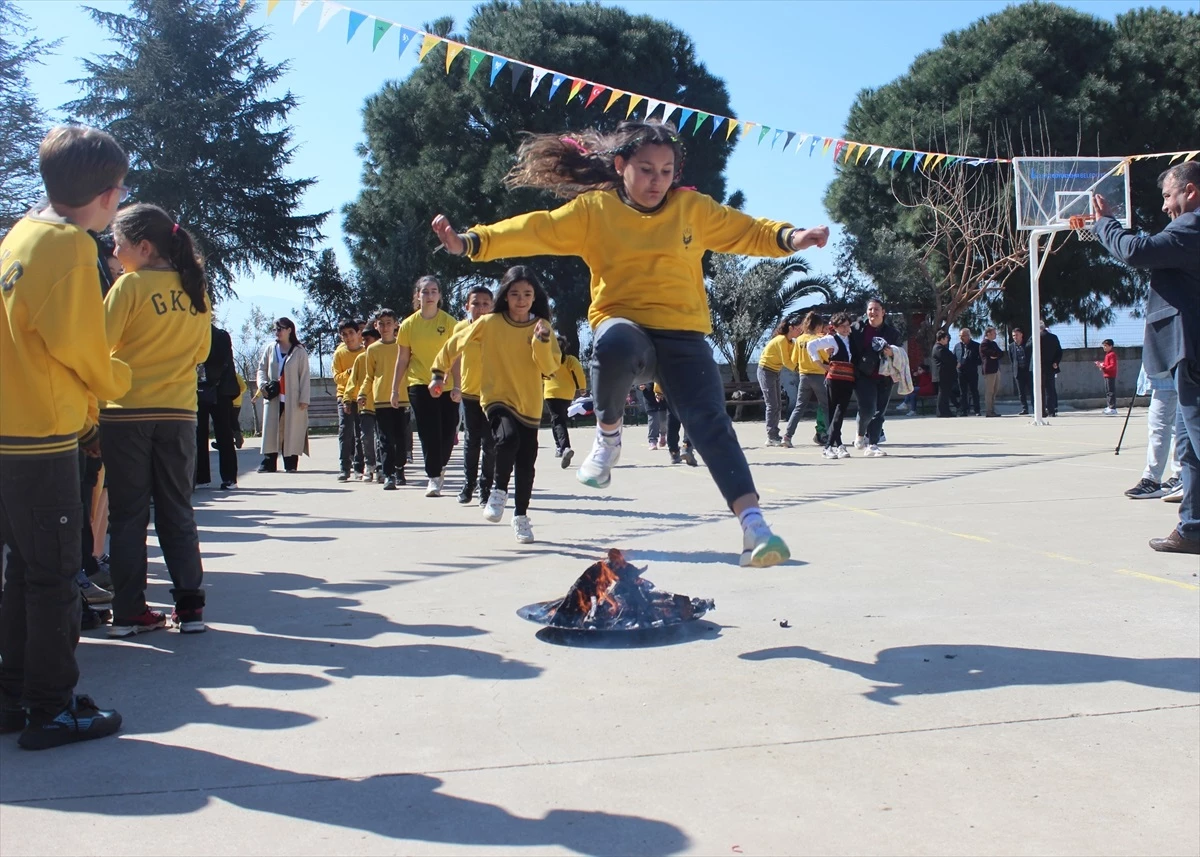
(449, 238)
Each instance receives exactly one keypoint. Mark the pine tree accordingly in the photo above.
(23, 123)
(186, 93)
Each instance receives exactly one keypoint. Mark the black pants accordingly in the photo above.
(437, 420)
(872, 395)
(516, 450)
(89, 473)
(1049, 391)
(350, 444)
(968, 393)
(151, 459)
(41, 519)
(478, 439)
(270, 460)
(1110, 392)
(218, 412)
(945, 396)
(839, 400)
(235, 424)
(1025, 387)
(558, 422)
(392, 426)
(673, 428)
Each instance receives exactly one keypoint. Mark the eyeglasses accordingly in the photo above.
(124, 192)
(281, 327)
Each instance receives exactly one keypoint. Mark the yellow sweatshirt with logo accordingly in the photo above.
(53, 348)
(471, 365)
(516, 361)
(808, 366)
(646, 267)
(566, 379)
(153, 327)
(425, 338)
(778, 353)
(343, 362)
(355, 385)
(380, 370)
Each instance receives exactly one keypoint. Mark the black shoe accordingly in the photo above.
(567, 455)
(483, 498)
(689, 458)
(262, 468)
(1176, 543)
(676, 458)
(188, 615)
(1147, 489)
(344, 476)
(1024, 412)
(81, 720)
(226, 486)
(464, 496)
(390, 484)
(400, 480)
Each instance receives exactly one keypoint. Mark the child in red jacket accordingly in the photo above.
(1108, 368)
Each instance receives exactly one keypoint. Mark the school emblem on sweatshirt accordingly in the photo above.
(687, 236)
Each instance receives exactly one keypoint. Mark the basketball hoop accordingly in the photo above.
(1079, 224)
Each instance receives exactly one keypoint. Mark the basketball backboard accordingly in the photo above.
(1052, 190)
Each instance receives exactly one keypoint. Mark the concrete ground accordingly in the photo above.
(982, 657)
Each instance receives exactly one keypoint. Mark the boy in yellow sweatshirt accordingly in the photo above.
(366, 407)
(54, 355)
(391, 419)
(468, 372)
(350, 451)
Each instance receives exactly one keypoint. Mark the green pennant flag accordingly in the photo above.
(762, 134)
(381, 27)
(906, 159)
(701, 118)
(477, 57)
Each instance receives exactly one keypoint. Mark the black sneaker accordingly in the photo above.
(343, 476)
(464, 496)
(400, 480)
(483, 498)
(81, 720)
(689, 457)
(390, 484)
(150, 620)
(189, 621)
(676, 458)
(1147, 489)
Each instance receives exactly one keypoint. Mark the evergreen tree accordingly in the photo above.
(23, 123)
(186, 93)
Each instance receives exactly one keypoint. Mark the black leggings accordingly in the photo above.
(437, 420)
(558, 422)
(839, 399)
(516, 450)
(391, 423)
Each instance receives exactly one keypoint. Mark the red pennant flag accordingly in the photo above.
(596, 90)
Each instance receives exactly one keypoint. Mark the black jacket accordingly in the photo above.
(866, 359)
(967, 355)
(219, 369)
(1051, 350)
(945, 364)
(989, 356)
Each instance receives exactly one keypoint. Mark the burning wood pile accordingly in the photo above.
(612, 595)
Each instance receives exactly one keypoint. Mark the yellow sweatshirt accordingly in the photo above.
(53, 349)
(471, 365)
(808, 366)
(568, 378)
(343, 362)
(645, 266)
(425, 338)
(515, 360)
(778, 353)
(355, 385)
(153, 327)
(237, 401)
(380, 370)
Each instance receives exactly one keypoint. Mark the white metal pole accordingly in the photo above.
(1035, 306)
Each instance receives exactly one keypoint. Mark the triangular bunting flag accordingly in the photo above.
(907, 157)
(518, 71)
(301, 5)
(612, 99)
(951, 160)
(895, 157)
(538, 74)
(1178, 155)
(862, 150)
(474, 60)
(762, 133)
(497, 64)
(701, 118)
(871, 154)
(733, 123)
(328, 10)
(669, 111)
(920, 156)
(406, 37)
(634, 101)
(271, 4)
(381, 27)
(555, 83)
(576, 86)
(800, 143)
(717, 120)
(837, 150)
(684, 116)
(427, 45)
(1191, 155)
(746, 126)
(932, 165)
(652, 105)
(812, 146)
(790, 136)
(775, 139)
(356, 19)
(825, 144)
(453, 49)
(594, 94)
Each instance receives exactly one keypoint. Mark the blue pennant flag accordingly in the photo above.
(917, 160)
(779, 134)
(812, 146)
(684, 116)
(788, 141)
(518, 71)
(356, 19)
(895, 158)
(555, 83)
(406, 36)
(497, 64)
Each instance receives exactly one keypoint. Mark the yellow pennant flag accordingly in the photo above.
(1178, 155)
(733, 123)
(746, 126)
(453, 49)
(271, 4)
(427, 45)
(1192, 155)
(862, 150)
(612, 99)
(634, 101)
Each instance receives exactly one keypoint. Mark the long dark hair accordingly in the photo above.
(570, 164)
(291, 326)
(173, 243)
(789, 320)
(814, 322)
(541, 300)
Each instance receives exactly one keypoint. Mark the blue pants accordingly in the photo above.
(682, 362)
(1187, 385)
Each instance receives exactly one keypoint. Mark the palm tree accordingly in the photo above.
(747, 298)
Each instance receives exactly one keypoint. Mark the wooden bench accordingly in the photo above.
(740, 395)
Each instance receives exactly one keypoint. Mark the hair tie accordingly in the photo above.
(175, 229)
(575, 144)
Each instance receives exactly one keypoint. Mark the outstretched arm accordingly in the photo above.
(560, 232)
(1171, 248)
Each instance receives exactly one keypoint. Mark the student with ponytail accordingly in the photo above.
(643, 237)
(158, 321)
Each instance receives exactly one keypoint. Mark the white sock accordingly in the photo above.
(751, 518)
(612, 438)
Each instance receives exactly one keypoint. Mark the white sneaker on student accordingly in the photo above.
(842, 452)
(830, 452)
(860, 442)
(761, 548)
(596, 469)
(494, 510)
(874, 451)
(433, 489)
(522, 529)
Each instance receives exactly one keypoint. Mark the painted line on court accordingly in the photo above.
(1191, 587)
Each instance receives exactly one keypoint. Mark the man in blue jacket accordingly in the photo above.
(1172, 338)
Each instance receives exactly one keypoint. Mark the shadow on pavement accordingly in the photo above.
(935, 668)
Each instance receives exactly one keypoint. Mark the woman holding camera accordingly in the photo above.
(283, 383)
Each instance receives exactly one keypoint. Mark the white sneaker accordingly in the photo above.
(842, 452)
(522, 529)
(761, 548)
(494, 510)
(596, 469)
(434, 489)
(830, 452)
(874, 451)
(860, 442)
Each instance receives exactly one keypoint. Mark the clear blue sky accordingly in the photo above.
(795, 65)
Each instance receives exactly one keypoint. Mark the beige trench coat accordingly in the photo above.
(292, 437)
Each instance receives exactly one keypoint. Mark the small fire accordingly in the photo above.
(596, 585)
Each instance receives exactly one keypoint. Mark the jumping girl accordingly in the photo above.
(158, 322)
(777, 354)
(420, 338)
(643, 238)
(518, 347)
